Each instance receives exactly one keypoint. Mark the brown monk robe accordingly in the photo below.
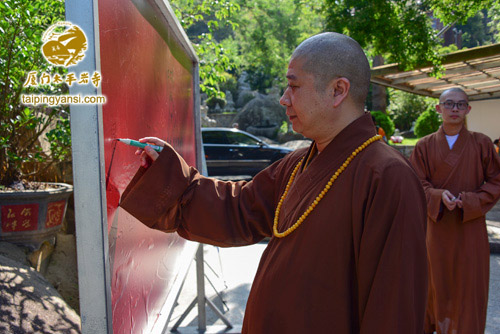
(457, 240)
(357, 264)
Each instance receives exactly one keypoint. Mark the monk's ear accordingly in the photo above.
(340, 88)
(438, 109)
(468, 109)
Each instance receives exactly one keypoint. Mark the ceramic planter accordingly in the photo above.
(31, 217)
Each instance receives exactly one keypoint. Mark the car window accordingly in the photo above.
(214, 137)
(237, 138)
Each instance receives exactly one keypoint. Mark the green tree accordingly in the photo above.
(269, 31)
(257, 36)
(475, 30)
(406, 107)
(400, 31)
(494, 23)
(203, 20)
(450, 11)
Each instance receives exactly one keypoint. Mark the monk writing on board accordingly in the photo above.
(346, 216)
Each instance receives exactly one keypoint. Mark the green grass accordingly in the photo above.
(407, 141)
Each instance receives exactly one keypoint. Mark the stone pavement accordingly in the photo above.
(493, 225)
(494, 236)
(493, 314)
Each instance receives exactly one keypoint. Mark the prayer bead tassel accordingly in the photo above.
(322, 194)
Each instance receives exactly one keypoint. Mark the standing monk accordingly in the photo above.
(346, 216)
(460, 173)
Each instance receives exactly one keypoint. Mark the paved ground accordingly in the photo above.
(240, 264)
(238, 270)
(494, 213)
(493, 317)
(493, 224)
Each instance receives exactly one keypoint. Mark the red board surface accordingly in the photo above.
(149, 92)
(21, 217)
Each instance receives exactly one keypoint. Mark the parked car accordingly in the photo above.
(231, 151)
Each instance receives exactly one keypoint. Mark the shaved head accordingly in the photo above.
(331, 55)
(453, 90)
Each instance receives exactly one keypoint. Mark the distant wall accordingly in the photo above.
(485, 117)
(404, 149)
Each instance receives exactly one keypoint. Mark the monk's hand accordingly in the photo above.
(459, 202)
(449, 200)
(148, 155)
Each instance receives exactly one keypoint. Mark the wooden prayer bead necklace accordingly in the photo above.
(321, 194)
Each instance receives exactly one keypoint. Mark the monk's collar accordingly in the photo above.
(345, 141)
(462, 131)
(313, 152)
(349, 138)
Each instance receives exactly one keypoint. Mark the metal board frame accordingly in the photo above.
(94, 277)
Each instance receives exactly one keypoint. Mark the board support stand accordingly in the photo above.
(201, 299)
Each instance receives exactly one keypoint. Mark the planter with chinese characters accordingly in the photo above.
(33, 216)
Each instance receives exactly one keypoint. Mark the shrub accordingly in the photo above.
(427, 123)
(214, 100)
(385, 122)
(22, 128)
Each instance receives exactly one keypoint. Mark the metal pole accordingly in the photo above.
(200, 282)
(445, 29)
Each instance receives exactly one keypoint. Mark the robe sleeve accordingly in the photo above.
(433, 195)
(477, 203)
(172, 196)
(392, 265)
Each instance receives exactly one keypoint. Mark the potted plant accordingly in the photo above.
(32, 138)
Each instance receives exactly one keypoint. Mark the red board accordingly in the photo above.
(55, 214)
(149, 92)
(17, 218)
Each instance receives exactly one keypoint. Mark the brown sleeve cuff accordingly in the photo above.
(434, 209)
(152, 195)
(471, 206)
